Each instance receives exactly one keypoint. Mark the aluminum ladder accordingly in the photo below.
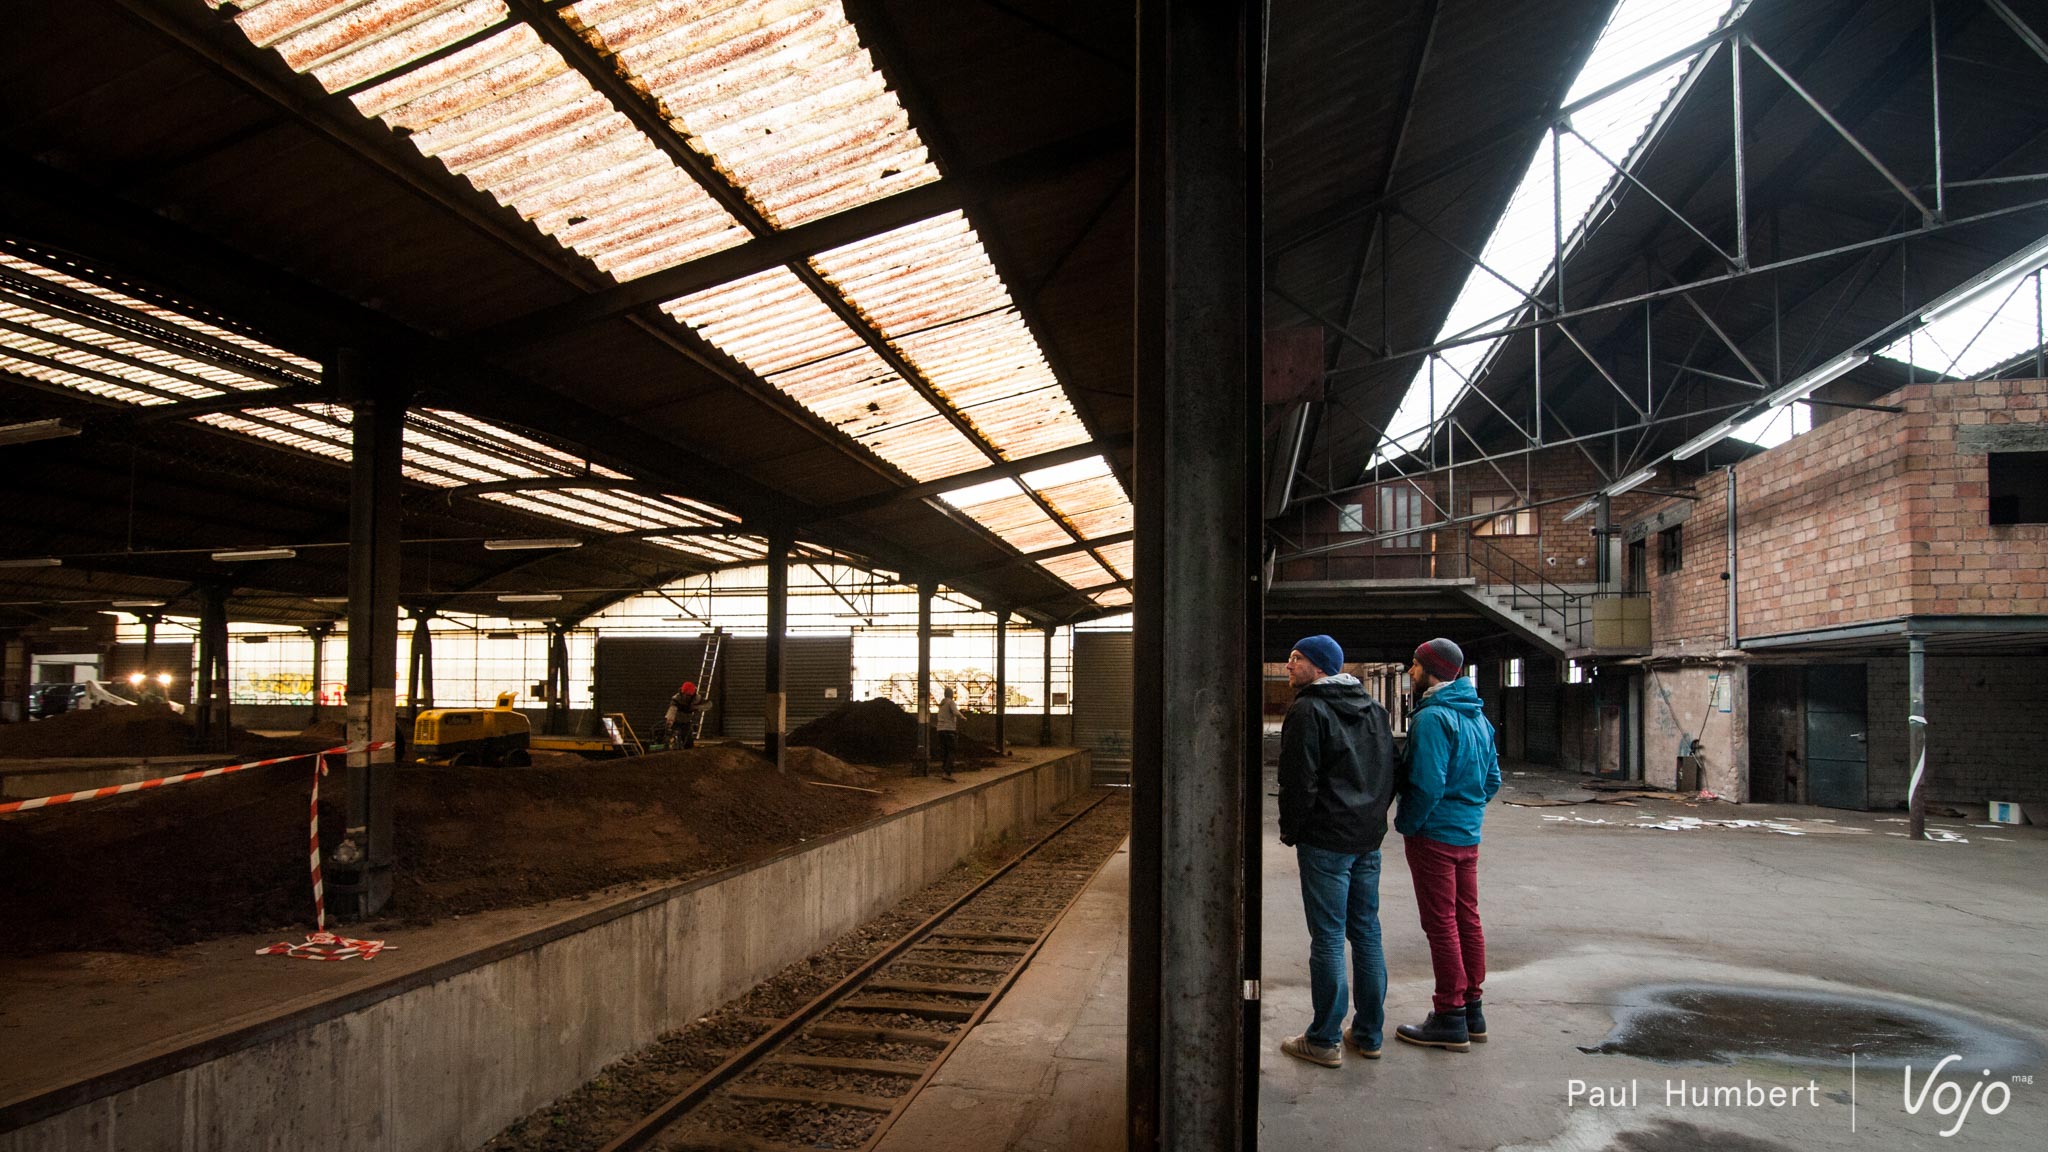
(714, 640)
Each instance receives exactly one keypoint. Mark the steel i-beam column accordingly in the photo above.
(558, 679)
(926, 589)
(778, 624)
(319, 633)
(210, 725)
(1002, 679)
(419, 688)
(1045, 700)
(1916, 733)
(375, 476)
(149, 622)
(1200, 102)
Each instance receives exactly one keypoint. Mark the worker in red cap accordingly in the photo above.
(681, 718)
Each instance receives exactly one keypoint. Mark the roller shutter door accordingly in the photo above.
(1102, 694)
(637, 676)
(1542, 722)
(176, 659)
(811, 667)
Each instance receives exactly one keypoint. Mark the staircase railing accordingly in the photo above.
(1531, 593)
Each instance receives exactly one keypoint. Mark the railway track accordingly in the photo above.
(837, 1072)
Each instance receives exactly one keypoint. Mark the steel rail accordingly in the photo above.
(673, 1109)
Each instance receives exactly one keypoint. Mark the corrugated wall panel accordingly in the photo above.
(812, 665)
(637, 675)
(1102, 694)
(173, 658)
(1542, 734)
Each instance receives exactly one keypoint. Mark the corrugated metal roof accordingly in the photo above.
(508, 114)
(117, 359)
(778, 93)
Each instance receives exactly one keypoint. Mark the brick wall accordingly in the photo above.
(1562, 552)
(1986, 729)
(1871, 516)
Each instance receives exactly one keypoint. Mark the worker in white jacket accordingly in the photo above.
(946, 720)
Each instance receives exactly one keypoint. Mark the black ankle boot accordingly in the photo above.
(1439, 1030)
(1475, 1022)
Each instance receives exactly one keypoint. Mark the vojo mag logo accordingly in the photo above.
(1945, 1096)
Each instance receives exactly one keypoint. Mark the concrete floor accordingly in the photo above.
(1580, 917)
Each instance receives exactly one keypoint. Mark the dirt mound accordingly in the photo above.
(864, 732)
(226, 856)
(334, 730)
(825, 766)
(110, 730)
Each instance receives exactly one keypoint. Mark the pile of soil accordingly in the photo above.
(878, 733)
(140, 730)
(226, 856)
(150, 729)
(865, 732)
(335, 731)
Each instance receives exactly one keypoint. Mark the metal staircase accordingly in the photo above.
(1522, 600)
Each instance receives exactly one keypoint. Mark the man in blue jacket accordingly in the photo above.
(1453, 770)
(1336, 781)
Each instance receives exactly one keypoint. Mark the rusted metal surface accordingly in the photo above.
(510, 116)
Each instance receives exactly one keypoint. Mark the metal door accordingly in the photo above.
(1837, 760)
(1102, 695)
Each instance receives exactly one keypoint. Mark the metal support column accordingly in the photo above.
(149, 622)
(360, 869)
(554, 723)
(772, 697)
(419, 681)
(1002, 680)
(926, 589)
(1603, 533)
(1045, 699)
(1916, 734)
(319, 633)
(210, 712)
(1191, 1078)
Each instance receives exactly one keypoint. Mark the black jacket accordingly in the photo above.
(1336, 768)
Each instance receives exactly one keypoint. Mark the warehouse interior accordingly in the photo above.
(973, 403)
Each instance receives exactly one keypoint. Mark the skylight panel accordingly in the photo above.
(508, 114)
(1121, 557)
(968, 497)
(1079, 569)
(1775, 427)
(779, 94)
(1976, 337)
(1523, 245)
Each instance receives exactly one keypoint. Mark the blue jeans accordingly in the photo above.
(1340, 891)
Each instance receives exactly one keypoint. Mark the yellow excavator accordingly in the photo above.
(501, 737)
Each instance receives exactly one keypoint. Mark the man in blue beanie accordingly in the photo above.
(1336, 780)
(1453, 770)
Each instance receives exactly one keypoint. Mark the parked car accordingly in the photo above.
(45, 700)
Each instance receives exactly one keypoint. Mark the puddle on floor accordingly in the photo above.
(1721, 1024)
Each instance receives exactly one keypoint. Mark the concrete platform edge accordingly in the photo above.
(363, 1070)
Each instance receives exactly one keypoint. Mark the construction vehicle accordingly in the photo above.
(460, 737)
(498, 736)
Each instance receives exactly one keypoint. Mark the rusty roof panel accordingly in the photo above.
(778, 93)
(1121, 558)
(1079, 570)
(509, 115)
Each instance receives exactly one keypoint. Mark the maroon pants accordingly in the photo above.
(1447, 894)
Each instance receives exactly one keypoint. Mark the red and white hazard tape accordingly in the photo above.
(322, 944)
(142, 785)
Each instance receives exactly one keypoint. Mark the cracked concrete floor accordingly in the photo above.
(1581, 916)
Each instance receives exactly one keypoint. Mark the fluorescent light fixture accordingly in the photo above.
(533, 544)
(257, 554)
(1705, 440)
(1995, 279)
(1811, 382)
(330, 599)
(32, 562)
(255, 639)
(528, 597)
(501, 635)
(138, 603)
(69, 628)
(1582, 509)
(1631, 482)
(32, 430)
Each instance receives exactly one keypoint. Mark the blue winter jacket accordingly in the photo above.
(1453, 767)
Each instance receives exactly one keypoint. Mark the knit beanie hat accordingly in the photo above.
(1322, 652)
(1440, 658)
